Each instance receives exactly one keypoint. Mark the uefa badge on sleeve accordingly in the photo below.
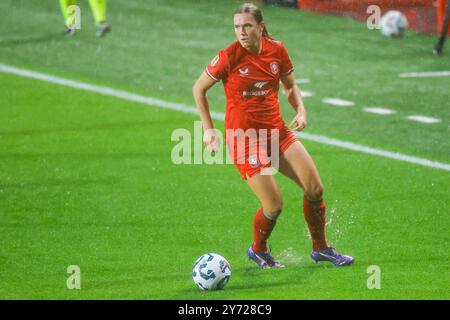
(214, 61)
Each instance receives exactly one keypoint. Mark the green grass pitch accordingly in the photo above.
(87, 179)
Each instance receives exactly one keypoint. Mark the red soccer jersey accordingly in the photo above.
(251, 82)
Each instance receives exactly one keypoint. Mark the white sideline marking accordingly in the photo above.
(373, 151)
(425, 74)
(377, 110)
(300, 81)
(338, 102)
(105, 91)
(215, 115)
(423, 119)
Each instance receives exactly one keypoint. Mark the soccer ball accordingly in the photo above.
(393, 24)
(211, 271)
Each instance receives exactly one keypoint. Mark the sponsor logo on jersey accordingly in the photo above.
(274, 67)
(256, 93)
(253, 161)
(261, 84)
(243, 72)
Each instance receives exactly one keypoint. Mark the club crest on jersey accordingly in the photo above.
(274, 67)
(214, 61)
(253, 161)
(243, 72)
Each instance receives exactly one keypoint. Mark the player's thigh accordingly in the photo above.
(266, 189)
(297, 164)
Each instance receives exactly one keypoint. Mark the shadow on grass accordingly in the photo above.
(251, 278)
(95, 127)
(32, 40)
(48, 183)
(77, 156)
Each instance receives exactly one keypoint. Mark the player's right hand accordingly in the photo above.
(211, 139)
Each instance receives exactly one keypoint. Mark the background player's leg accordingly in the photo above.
(98, 8)
(444, 31)
(267, 191)
(99, 11)
(65, 4)
(297, 164)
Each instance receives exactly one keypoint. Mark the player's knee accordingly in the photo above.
(274, 208)
(315, 192)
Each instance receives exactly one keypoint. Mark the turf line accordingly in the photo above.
(423, 119)
(338, 102)
(425, 74)
(121, 94)
(379, 110)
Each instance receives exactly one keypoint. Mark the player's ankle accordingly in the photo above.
(259, 248)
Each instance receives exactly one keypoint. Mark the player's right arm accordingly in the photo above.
(201, 86)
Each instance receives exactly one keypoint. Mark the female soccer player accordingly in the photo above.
(251, 69)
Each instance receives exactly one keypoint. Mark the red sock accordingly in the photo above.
(262, 228)
(315, 217)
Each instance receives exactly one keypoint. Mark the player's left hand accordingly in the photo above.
(299, 122)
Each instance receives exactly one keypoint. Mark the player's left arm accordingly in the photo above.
(294, 97)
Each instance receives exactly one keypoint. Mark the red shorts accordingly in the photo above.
(253, 152)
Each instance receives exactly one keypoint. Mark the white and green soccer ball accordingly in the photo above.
(211, 271)
(393, 24)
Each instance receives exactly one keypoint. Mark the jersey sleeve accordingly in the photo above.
(219, 66)
(286, 63)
